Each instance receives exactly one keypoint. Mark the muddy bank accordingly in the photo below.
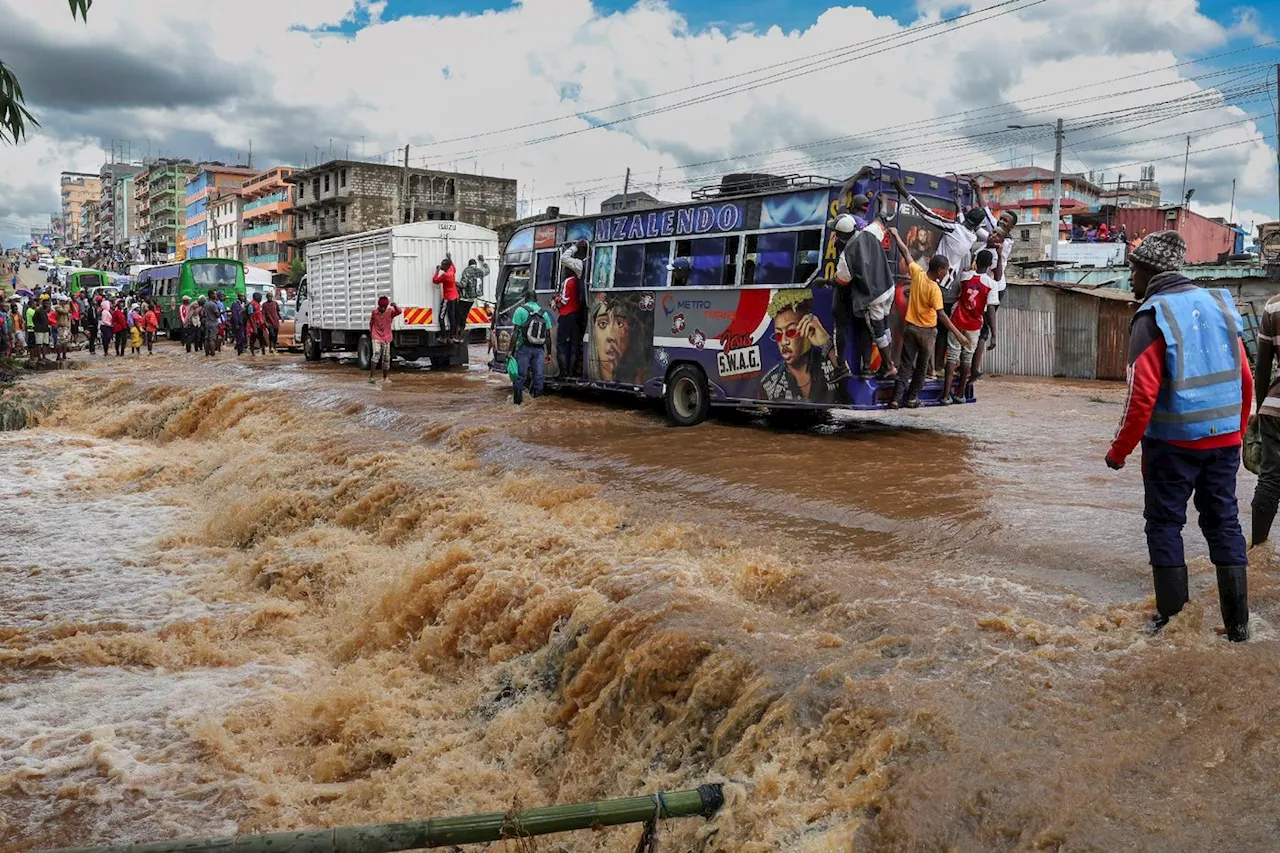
(329, 604)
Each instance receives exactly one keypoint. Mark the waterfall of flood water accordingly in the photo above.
(249, 600)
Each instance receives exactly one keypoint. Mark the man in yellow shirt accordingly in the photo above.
(920, 331)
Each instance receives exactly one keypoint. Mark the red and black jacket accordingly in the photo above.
(1146, 375)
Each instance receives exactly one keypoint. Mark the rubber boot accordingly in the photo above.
(1171, 592)
(1233, 596)
(1262, 521)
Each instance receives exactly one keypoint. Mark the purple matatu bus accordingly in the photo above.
(732, 335)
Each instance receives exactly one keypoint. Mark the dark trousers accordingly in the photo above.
(917, 354)
(846, 336)
(106, 340)
(940, 348)
(121, 337)
(1172, 475)
(568, 344)
(191, 338)
(449, 318)
(1266, 497)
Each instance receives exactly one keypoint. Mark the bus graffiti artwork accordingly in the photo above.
(725, 301)
(620, 337)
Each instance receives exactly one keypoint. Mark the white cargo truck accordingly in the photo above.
(346, 275)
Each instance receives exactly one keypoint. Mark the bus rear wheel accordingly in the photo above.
(364, 352)
(310, 346)
(687, 399)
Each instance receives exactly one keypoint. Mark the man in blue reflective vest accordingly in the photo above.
(1190, 393)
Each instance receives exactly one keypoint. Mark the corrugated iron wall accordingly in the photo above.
(1113, 338)
(1024, 343)
(1075, 325)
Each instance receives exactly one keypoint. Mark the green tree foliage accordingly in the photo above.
(14, 116)
(297, 269)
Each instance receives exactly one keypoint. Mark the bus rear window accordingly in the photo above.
(220, 274)
(643, 265)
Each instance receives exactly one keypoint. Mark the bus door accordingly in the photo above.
(512, 281)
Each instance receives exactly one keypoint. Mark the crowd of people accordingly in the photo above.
(1100, 233)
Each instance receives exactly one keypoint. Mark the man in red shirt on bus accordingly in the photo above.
(568, 304)
(967, 317)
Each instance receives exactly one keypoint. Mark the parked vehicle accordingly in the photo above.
(346, 275)
(168, 283)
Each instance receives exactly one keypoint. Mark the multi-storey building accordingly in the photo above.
(348, 196)
(105, 234)
(225, 206)
(268, 225)
(165, 206)
(124, 216)
(77, 188)
(210, 178)
(1028, 192)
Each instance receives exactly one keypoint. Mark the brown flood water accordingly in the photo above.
(247, 596)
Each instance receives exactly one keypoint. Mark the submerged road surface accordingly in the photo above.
(256, 594)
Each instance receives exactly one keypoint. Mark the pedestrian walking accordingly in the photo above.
(39, 319)
(151, 325)
(1266, 495)
(1190, 393)
(256, 326)
(271, 316)
(380, 335)
(532, 346)
(238, 327)
(62, 327)
(210, 323)
(106, 325)
(189, 319)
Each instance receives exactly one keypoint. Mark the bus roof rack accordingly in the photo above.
(749, 183)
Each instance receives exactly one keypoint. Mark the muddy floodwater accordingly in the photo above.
(247, 595)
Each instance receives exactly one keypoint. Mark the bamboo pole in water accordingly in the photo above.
(441, 832)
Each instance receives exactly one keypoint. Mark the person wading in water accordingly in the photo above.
(1190, 391)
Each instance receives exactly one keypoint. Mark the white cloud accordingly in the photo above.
(293, 88)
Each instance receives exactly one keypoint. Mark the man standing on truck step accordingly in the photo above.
(380, 334)
(1190, 393)
(532, 345)
(446, 277)
(864, 290)
(471, 285)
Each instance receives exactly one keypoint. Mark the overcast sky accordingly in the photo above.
(204, 79)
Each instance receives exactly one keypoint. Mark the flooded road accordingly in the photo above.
(253, 595)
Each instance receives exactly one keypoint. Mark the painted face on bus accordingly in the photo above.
(789, 335)
(610, 338)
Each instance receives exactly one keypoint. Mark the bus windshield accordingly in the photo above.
(223, 274)
(513, 292)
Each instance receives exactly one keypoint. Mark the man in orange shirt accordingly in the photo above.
(151, 325)
(920, 329)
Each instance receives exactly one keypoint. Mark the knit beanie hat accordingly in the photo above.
(1163, 251)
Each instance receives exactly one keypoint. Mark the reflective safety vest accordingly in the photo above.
(1200, 395)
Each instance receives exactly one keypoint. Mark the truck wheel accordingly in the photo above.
(686, 395)
(438, 361)
(310, 346)
(364, 352)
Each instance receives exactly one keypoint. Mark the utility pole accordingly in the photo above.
(1278, 134)
(250, 153)
(1232, 215)
(1059, 136)
(626, 186)
(1185, 163)
(404, 187)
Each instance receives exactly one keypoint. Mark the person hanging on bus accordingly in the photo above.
(809, 364)
(864, 292)
(967, 317)
(986, 338)
(920, 326)
(568, 305)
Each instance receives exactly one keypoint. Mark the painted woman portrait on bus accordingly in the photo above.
(620, 337)
(807, 351)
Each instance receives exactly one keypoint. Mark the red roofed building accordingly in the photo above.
(1028, 192)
